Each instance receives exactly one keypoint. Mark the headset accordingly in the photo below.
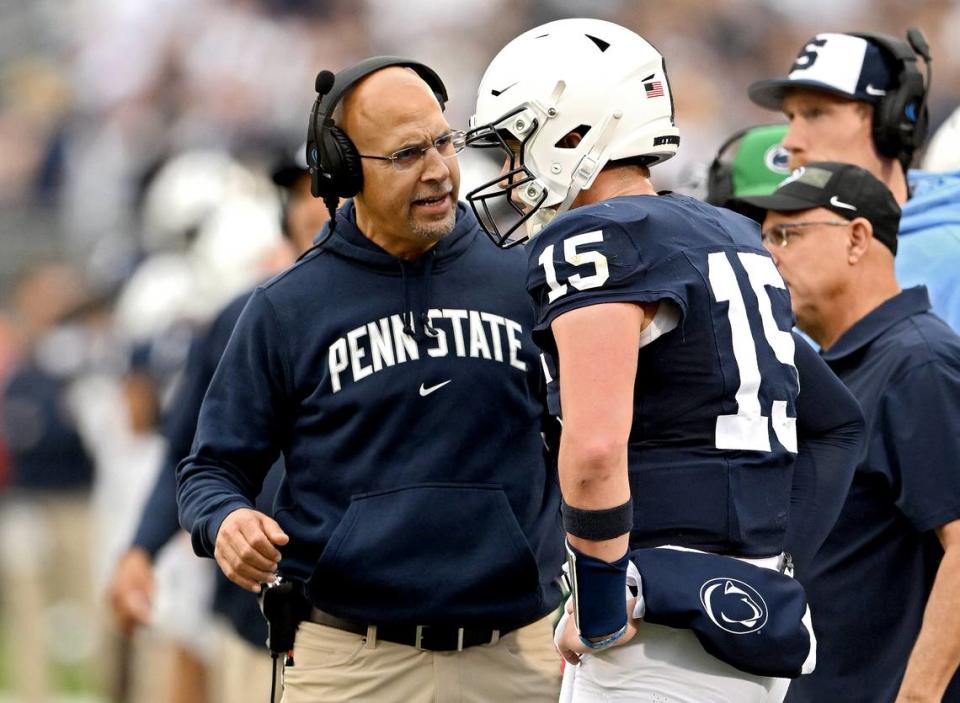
(334, 162)
(901, 118)
(720, 174)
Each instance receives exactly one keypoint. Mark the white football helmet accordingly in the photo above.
(587, 76)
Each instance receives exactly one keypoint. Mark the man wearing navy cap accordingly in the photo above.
(861, 99)
(883, 588)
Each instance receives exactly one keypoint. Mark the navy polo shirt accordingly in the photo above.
(869, 583)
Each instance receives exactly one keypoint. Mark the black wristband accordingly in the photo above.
(597, 525)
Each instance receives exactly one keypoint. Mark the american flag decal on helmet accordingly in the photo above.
(654, 89)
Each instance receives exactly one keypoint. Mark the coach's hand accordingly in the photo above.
(246, 548)
(567, 638)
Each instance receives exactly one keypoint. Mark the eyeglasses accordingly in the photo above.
(447, 145)
(778, 235)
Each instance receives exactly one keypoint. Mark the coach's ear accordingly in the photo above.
(860, 240)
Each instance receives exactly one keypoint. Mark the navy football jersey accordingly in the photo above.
(714, 432)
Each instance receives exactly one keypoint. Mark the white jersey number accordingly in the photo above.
(574, 258)
(748, 428)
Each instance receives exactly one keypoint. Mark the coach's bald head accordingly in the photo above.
(404, 208)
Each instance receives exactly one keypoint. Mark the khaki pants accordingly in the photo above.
(332, 666)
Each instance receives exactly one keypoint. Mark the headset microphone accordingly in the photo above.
(324, 82)
(919, 43)
(323, 85)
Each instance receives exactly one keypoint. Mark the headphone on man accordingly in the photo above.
(334, 162)
(720, 174)
(901, 118)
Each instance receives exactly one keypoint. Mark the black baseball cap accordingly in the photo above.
(847, 190)
(290, 167)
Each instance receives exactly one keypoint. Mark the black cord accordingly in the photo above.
(332, 202)
(273, 681)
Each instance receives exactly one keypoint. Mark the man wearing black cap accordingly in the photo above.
(861, 99)
(303, 215)
(831, 229)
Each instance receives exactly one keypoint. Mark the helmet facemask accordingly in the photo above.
(510, 206)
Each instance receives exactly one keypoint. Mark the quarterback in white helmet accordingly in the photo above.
(665, 332)
(590, 78)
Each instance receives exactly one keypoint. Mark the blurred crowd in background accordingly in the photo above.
(137, 140)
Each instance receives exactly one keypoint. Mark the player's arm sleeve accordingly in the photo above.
(241, 427)
(917, 430)
(830, 443)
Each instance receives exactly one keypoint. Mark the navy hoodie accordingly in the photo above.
(406, 399)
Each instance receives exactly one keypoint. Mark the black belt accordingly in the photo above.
(431, 638)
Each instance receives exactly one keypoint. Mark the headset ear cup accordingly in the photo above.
(350, 164)
(916, 136)
(341, 160)
(719, 183)
(885, 126)
(893, 132)
(896, 133)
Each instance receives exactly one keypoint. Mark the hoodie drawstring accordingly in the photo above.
(407, 312)
(427, 280)
(409, 317)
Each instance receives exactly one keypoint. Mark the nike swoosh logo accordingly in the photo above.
(874, 91)
(424, 391)
(838, 203)
(498, 93)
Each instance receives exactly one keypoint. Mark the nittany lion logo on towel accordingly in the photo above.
(733, 605)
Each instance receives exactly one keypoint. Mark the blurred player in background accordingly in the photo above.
(242, 666)
(46, 523)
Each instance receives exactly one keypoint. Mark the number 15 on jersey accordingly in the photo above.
(748, 428)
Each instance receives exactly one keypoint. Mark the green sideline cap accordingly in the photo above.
(761, 161)
(750, 162)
